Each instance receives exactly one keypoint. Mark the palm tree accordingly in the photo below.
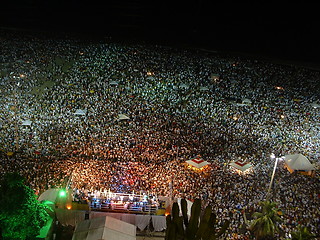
(302, 233)
(264, 225)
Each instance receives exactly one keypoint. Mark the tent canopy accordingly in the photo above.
(298, 162)
(150, 78)
(26, 123)
(113, 83)
(241, 165)
(122, 117)
(104, 228)
(183, 85)
(246, 101)
(197, 162)
(80, 112)
(315, 105)
(49, 195)
(204, 89)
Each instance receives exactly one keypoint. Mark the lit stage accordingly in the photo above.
(123, 202)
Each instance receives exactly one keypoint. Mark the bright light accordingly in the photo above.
(62, 193)
(215, 77)
(150, 73)
(272, 155)
(69, 207)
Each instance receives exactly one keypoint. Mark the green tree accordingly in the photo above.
(265, 223)
(303, 233)
(21, 215)
(193, 227)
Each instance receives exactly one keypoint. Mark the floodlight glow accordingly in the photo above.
(62, 193)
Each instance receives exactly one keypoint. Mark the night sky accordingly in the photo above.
(284, 31)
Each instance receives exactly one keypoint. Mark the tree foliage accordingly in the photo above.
(303, 233)
(264, 225)
(21, 215)
(193, 227)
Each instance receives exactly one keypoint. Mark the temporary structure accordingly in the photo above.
(80, 112)
(204, 89)
(246, 101)
(49, 195)
(104, 228)
(241, 165)
(315, 105)
(122, 117)
(197, 162)
(298, 162)
(26, 123)
(114, 83)
(184, 86)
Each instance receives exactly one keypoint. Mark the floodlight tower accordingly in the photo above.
(272, 156)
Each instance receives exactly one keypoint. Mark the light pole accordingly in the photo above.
(272, 156)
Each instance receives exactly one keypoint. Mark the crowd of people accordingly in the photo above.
(180, 103)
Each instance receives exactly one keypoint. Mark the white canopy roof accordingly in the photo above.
(246, 101)
(26, 123)
(298, 162)
(113, 83)
(204, 88)
(182, 85)
(241, 165)
(315, 105)
(150, 78)
(197, 162)
(80, 112)
(122, 117)
(49, 195)
(104, 228)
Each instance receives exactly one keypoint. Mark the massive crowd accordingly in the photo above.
(181, 104)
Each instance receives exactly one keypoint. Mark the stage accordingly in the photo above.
(126, 203)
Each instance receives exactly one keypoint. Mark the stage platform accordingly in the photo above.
(127, 203)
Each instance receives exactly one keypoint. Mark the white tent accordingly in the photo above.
(241, 165)
(246, 101)
(298, 162)
(315, 105)
(104, 228)
(197, 162)
(49, 195)
(26, 123)
(182, 85)
(122, 117)
(80, 112)
(204, 88)
(114, 83)
(150, 78)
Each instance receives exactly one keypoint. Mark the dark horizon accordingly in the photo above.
(285, 32)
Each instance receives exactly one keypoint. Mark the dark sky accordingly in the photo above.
(287, 31)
